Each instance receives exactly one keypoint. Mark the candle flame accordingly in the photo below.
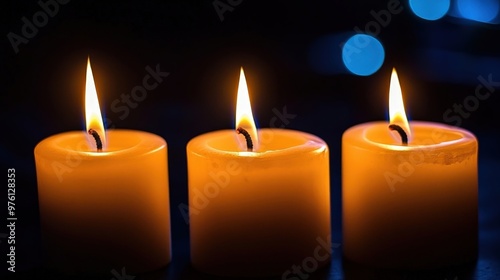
(397, 114)
(93, 114)
(244, 116)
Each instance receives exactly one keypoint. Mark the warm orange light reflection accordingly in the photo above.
(244, 116)
(397, 114)
(93, 116)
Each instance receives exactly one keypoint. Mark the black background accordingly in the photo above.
(42, 93)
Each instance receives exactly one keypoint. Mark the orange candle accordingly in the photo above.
(409, 205)
(257, 208)
(103, 210)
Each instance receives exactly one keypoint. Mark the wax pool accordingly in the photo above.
(409, 206)
(104, 210)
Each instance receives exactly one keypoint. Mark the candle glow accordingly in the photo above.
(93, 204)
(237, 195)
(408, 206)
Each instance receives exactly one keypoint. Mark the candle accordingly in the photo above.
(413, 205)
(104, 208)
(257, 207)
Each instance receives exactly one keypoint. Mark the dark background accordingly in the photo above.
(42, 85)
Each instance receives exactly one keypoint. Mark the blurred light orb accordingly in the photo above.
(363, 54)
(430, 9)
(483, 11)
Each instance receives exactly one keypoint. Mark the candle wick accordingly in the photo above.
(98, 141)
(248, 138)
(402, 133)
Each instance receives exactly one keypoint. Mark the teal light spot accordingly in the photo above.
(363, 54)
(482, 11)
(430, 9)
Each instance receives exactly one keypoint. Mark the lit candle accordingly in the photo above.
(409, 205)
(257, 207)
(106, 205)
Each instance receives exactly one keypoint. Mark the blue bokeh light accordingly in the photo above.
(482, 11)
(430, 9)
(363, 54)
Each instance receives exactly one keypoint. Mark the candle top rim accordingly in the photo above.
(122, 142)
(275, 142)
(427, 135)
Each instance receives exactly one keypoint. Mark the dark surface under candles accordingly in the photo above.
(438, 63)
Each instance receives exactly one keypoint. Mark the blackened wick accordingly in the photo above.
(248, 138)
